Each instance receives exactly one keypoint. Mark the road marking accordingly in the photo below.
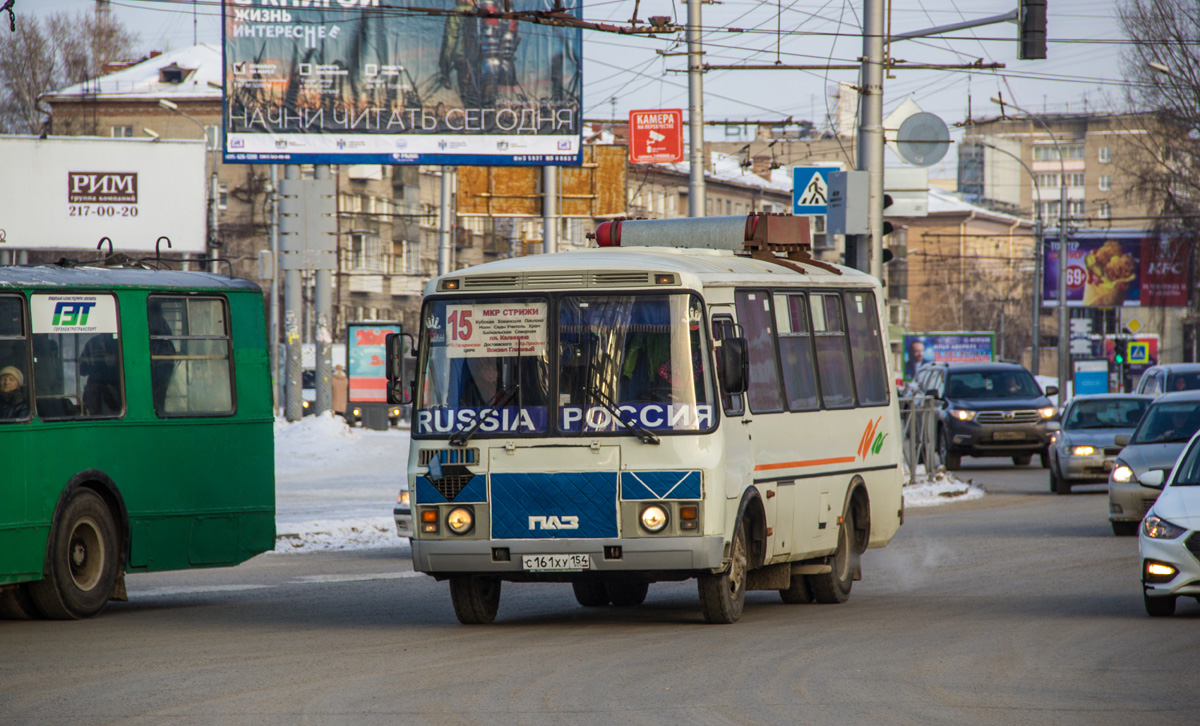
(316, 579)
(192, 590)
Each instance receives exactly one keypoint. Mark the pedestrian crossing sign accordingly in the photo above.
(1138, 353)
(810, 189)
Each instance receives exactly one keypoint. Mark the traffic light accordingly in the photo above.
(888, 227)
(1032, 43)
(1120, 351)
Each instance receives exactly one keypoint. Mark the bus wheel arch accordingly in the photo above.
(86, 550)
(752, 512)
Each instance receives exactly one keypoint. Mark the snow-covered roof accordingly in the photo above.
(944, 202)
(201, 66)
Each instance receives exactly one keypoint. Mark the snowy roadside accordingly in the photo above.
(335, 486)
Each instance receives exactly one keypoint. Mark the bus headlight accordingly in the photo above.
(460, 520)
(654, 518)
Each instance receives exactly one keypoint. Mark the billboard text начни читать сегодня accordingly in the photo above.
(446, 82)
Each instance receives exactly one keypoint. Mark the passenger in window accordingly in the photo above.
(13, 402)
(162, 358)
(98, 362)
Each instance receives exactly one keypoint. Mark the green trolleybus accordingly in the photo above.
(136, 431)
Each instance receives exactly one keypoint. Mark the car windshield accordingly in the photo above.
(992, 384)
(1187, 474)
(1105, 414)
(483, 362)
(1166, 423)
(1183, 382)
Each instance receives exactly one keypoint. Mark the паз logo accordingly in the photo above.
(70, 314)
(567, 521)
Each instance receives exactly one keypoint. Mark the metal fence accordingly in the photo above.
(918, 419)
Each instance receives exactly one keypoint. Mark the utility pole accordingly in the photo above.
(293, 306)
(870, 136)
(273, 195)
(323, 309)
(444, 221)
(549, 209)
(696, 190)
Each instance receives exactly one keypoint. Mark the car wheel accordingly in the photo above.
(1022, 460)
(1059, 483)
(950, 460)
(627, 594)
(1045, 459)
(590, 593)
(723, 596)
(1125, 529)
(1159, 607)
(476, 599)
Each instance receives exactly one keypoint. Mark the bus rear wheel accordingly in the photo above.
(590, 593)
(834, 586)
(83, 557)
(476, 599)
(723, 596)
(628, 594)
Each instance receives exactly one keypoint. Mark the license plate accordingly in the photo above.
(1008, 435)
(556, 563)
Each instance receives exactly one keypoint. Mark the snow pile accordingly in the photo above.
(939, 488)
(338, 535)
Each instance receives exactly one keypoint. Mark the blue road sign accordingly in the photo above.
(810, 189)
(1138, 353)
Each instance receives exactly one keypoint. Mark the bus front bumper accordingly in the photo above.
(644, 554)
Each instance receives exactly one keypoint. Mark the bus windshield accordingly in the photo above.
(633, 358)
(627, 364)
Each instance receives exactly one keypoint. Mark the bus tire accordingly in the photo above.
(476, 599)
(723, 596)
(798, 593)
(628, 594)
(590, 593)
(83, 558)
(834, 586)
(15, 604)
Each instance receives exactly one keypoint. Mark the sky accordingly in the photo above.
(623, 73)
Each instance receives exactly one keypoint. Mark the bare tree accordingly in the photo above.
(40, 57)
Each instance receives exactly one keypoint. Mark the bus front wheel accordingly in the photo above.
(476, 599)
(83, 560)
(834, 586)
(723, 596)
(590, 593)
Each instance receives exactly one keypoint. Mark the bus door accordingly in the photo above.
(14, 431)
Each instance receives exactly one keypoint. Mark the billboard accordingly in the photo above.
(437, 82)
(595, 189)
(71, 191)
(366, 353)
(1114, 268)
(924, 348)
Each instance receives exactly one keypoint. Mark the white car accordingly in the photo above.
(1169, 536)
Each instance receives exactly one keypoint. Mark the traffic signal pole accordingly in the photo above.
(870, 136)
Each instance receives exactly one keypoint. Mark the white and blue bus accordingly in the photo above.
(696, 398)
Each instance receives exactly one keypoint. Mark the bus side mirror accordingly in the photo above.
(735, 366)
(394, 343)
(398, 394)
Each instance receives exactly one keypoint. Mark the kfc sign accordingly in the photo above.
(656, 137)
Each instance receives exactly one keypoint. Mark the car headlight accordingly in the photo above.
(654, 518)
(304, 403)
(1155, 527)
(962, 415)
(1083, 450)
(1122, 474)
(460, 520)
(402, 499)
(1048, 412)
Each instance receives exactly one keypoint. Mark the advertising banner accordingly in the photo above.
(71, 191)
(367, 353)
(351, 82)
(927, 348)
(1113, 268)
(656, 137)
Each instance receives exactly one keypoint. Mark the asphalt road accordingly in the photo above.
(1018, 608)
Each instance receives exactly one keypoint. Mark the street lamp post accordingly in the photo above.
(1064, 334)
(1035, 345)
(213, 185)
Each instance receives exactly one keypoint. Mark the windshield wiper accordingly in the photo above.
(645, 435)
(503, 396)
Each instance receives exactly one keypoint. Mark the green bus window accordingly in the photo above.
(77, 356)
(190, 373)
(14, 364)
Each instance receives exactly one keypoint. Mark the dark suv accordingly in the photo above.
(990, 409)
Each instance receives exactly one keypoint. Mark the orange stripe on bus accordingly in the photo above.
(810, 462)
